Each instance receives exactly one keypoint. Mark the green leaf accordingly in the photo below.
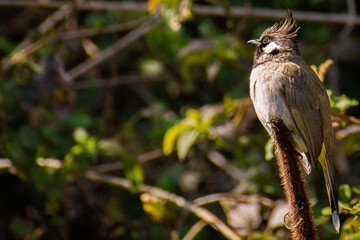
(20, 227)
(207, 115)
(326, 211)
(356, 189)
(134, 172)
(345, 192)
(269, 150)
(81, 135)
(193, 114)
(151, 67)
(171, 135)
(174, 12)
(356, 209)
(341, 102)
(185, 141)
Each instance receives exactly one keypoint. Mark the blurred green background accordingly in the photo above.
(103, 103)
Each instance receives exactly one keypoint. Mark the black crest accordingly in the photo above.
(288, 29)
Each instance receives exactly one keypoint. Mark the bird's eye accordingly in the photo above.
(265, 40)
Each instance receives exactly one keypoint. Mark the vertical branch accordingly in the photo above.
(300, 219)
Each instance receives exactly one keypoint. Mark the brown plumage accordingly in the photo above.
(282, 85)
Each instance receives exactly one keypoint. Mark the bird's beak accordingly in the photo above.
(254, 41)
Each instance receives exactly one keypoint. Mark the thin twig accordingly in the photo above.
(26, 48)
(117, 81)
(342, 117)
(352, 15)
(234, 197)
(236, 12)
(83, 33)
(111, 51)
(220, 161)
(142, 158)
(84, 6)
(43, 28)
(202, 213)
(194, 230)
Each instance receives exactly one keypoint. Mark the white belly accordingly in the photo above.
(267, 99)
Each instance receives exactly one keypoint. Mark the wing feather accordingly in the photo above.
(302, 95)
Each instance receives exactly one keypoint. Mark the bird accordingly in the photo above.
(284, 86)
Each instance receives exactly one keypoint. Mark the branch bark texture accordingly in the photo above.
(300, 219)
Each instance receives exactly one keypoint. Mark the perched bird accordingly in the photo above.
(282, 85)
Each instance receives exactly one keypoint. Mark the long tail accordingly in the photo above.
(331, 188)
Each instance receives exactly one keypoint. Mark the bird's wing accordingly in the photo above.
(304, 94)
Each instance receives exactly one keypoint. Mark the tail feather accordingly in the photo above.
(331, 188)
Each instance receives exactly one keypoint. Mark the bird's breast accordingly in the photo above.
(266, 95)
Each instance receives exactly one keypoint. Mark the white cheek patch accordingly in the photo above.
(271, 47)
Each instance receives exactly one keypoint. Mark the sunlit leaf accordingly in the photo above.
(350, 229)
(356, 189)
(345, 192)
(341, 102)
(326, 211)
(80, 135)
(322, 69)
(185, 141)
(207, 115)
(193, 114)
(153, 5)
(174, 12)
(151, 67)
(171, 135)
(185, 9)
(356, 208)
(155, 207)
(134, 172)
(269, 150)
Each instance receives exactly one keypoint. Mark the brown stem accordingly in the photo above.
(201, 212)
(111, 51)
(235, 11)
(301, 220)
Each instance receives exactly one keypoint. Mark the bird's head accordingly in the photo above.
(277, 40)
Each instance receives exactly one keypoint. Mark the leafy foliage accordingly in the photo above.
(181, 86)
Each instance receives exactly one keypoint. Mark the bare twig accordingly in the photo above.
(26, 48)
(195, 229)
(82, 33)
(43, 28)
(236, 12)
(202, 213)
(234, 197)
(111, 51)
(335, 18)
(142, 158)
(116, 81)
(339, 116)
(219, 160)
(352, 15)
(84, 6)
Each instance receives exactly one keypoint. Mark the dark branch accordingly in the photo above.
(301, 219)
(341, 18)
